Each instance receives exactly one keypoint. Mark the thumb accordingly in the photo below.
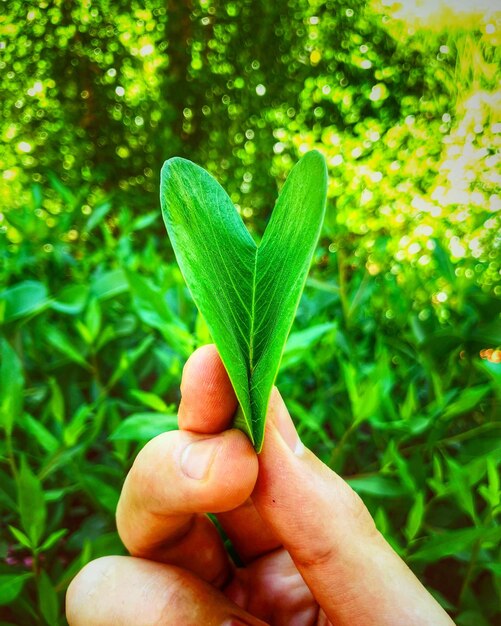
(351, 570)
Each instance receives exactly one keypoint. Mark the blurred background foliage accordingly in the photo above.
(392, 371)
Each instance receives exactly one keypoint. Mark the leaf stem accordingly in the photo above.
(340, 446)
(10, 455)
(342, 286)
(470, 570)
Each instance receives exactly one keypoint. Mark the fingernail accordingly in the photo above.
(198, 456)
(285, 425)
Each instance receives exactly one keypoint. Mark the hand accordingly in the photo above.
(311, 551)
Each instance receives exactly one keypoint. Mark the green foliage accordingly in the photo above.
(247, 293)
(392, 368)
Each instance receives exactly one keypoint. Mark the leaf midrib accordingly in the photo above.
(252, 317)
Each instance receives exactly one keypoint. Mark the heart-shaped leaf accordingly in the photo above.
(248, 294)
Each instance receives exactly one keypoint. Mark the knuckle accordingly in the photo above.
(358, 513)
(87, 587)
(316, 556)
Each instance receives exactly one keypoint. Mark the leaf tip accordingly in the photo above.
(168, 165)
(314, 162)
(315, 157)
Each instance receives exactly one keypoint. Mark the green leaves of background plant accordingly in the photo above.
(248, 294)
(32, 507)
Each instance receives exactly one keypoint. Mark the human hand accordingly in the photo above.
(311, 551)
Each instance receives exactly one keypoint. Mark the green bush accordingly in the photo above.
(392, 371)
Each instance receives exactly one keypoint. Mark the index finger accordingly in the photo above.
(207, 406)
(176, 478)
(208, 401)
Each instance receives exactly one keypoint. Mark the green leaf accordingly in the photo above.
(493, 494)
(461, 478)
(56, 401)
(21, 537)
(52, 539)
(55, 495)
(248, 294)
(105, 494)
(11, 386)
(408, 408)
(454, 542)
(153, 309)
(443, 261)
(380, 486)
(77, 425)
(11, 586)
(97, 216)
(151, 400)
(108, 284)
(40, 433)
(143, 221)
(6, 500)
(471, 618)
(128, 358)
(415, 517)
(84, 332)
(62, 343)
(65, 193)
(93, 319)
(144, 426)
(47, 599)
(466, 401)
(495, 568)
(492, 369)
(24, 299)
(302, 341)
(71, 300)
(32, 508)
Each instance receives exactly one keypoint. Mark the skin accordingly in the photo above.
(311, 552)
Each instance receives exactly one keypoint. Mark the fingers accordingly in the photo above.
(208, 400)
(119, 591)
(249, 534)
(353, 573)
(175, 479)
(208, 405)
